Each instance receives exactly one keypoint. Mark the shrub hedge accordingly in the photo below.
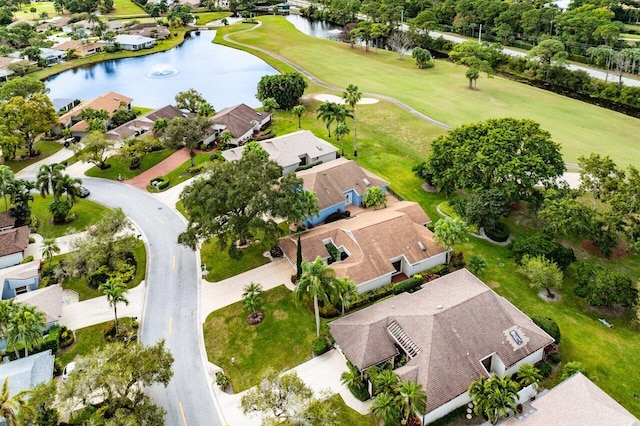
(319, 345)
(549, 326)
(408, 285)
(499, 234)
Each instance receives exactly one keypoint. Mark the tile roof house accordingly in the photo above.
(110, 102)
(25, 373)
(19, 279)
(291, 151)
(144, 123)
(5, 72)
(452, 331)
(337, 184)
(80, 49)
(153, 30)
(575, 402)
(48, 300)
(6, 221)
(52, 56)
(241, 121)
(13, 242)
(378, 245)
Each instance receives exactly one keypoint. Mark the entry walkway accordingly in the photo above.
(165, 166)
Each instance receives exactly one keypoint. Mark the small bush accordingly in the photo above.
(549, 326)
(555, 357)
(499, 233)
(544, 369)
(222, 380)
(66, 337)
(539, 244)
(27, 259)
(32, 240)
(308, 166)
(410, 285)
(319, 345)
(100, 276)
(360, 391)
(264, 136)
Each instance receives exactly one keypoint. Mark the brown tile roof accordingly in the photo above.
(48, 300)
(110, 102)
(6, 220)
(14, 240)
(330, 180)
(455, 321)
(239, 119)
(144, 122)
(77, 46)
(371, 238)
(576, 402)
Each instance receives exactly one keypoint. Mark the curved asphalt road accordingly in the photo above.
(171, 303)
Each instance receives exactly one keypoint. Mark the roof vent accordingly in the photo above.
(319, 147)
(366, 181)
(422, 247)
(439, 306)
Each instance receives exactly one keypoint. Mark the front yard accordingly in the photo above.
(86, 212)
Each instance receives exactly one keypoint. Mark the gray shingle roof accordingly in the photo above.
(456, 321)
(25, 373)
(14, 240)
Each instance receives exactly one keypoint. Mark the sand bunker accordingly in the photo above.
(333, 98)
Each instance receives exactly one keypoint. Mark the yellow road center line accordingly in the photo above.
(184, 418)
(174, 262)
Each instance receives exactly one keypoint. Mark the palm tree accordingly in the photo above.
(327, 113)
(270, 105)
(341, 113)
(412, 399)
(346, 291)
(479, 391)
(385, 409)
(316, 282)
(66, 185)
(450, 231)
(206, 110)
(341, 130)
(159, 126)
(115, 291)
(386, 381)
(20, 191)
(25, 326)
(225, 137)
(48, 176)
(6, 179)
(50, 248)
(298, 110)
(493, 397)
(6, 310)
(528, 375)
(352, 96)
(10, 407)
(251, 297)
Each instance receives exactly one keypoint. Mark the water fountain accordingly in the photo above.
(162, 71)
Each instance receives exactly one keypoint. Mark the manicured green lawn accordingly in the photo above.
(178, 174)
(47, 148)
(44, 6)
(281, 341)
(442, 92)
(87, 213)
(79, 283)
(347, 415)
(120, 167)
(126, 7)
(222, 266)
(87, 340)
(206, 17)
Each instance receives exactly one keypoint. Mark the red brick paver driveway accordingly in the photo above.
(168, 164)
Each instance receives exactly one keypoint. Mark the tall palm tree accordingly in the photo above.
(159, 126)
(386, 381)
(206, 110)
(385, 408)
(352, 95)
(66, 185)
(115, 291)
(494, 397)
(341, 130)
(20, 191)
(412, 399)
(6, 179)
(316, 282)
(48, 177)
(479, 391)
(251, 299)
(225, 137)
(298, 110)
(327, 113)
(25, 326)
(10, 407)
(50, 248)
(6, 310)
(345, 291)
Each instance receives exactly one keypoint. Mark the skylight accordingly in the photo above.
(366, 181)
(516, 337)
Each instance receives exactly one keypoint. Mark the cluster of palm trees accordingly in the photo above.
(496, 396)
(318, 283)
(21, 324)
(396, 402)
(51, 180)
(329, 112)
(16, 194)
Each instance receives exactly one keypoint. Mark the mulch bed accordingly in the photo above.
(621, 251)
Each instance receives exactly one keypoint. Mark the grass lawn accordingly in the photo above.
(442, 92)
(79, 284)
(222, 266)
(347, 415)
(281, 341)
(44, 6)
(610, 354)
(126, 7)
(87, 340)
(120, 166)
(47, 149)
(204, 18)
(178, 174)
(86, 210)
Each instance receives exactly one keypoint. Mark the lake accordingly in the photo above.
(224, 76)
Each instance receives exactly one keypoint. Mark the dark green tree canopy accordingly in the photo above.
(286, 89)
(510, 155)
(235, 199)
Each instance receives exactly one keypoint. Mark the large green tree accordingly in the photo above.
(95, 149)
(188, 132)
(285, 88)
(236, 200)
(542, 273)
(24, 87)
(316, 283)
(450, 231)
(120, 375)
(28, 117)
(507, 155)
(190, 100)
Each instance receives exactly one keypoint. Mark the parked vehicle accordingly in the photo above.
(84, 192)
(71, 140)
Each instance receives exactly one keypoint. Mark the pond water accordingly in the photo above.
(224, 76)
(320, 29)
